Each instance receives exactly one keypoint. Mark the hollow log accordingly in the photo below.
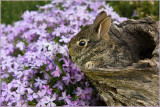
(136, 85)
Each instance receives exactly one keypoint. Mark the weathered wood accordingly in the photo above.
(136, 85)
(127, 87)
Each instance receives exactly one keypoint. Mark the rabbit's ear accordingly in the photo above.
(100, 17)
(104, 27)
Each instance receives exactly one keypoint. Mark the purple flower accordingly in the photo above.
(41, 93)
(96, 5)
(63, 50)
(72, 103)
(10, 96)
(10, 48)
(66, 79)
(48, 90)
(50, 66)
(65, 98)
(49, 100)
(41, 103)
(21, 90)
(59, 85)
(57, 32)
(82, 102)
(80, 92)
(29, 97)
(64, 39)
(10, 37)
(4, 85)
(88, 92)
(35, 95)
(21, 103)
(78, 77)
(19, 84)
(29, 90)
(40, 82)
(20, 45)
(57, 72)
(19, 74)
(66, 62)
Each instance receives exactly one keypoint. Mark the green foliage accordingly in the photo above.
(11, 11)
(141, 8)
(148, 8)
(123, 8)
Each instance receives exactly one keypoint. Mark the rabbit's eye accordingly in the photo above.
(82, 43)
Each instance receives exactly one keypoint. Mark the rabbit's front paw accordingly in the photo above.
(90, 65)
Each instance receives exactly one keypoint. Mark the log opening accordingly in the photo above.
(147, 46)
(139, 36)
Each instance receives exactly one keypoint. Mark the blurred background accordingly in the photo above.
(11, 11)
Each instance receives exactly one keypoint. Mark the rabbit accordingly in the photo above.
(93, 47)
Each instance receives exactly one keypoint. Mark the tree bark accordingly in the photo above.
(136, 85)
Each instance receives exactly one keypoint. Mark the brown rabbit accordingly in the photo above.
(93, 48)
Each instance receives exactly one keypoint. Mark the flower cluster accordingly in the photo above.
(35, 67)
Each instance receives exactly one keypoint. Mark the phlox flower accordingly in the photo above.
(10, 38)
(20, 84)
(64, 39)
(66, 79)
(88, 92)
(72, 103)
(59, 85)
(57, 32)
(35, 95)
(47, 100)
(63, 50)
(47, 6)
(41, 93)
(29, 90)
(29, 97)
(96, 5)
(10, 96)
(21, 103)
(40, 82)
(65, 97)
(19, 74)
(78, 77)
(28, 16)
(20, 45)
(41, 103)
(80, 92)
(57, 72)
(38, 63)
(48, 90)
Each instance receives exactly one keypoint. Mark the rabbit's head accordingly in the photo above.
(83, 46)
